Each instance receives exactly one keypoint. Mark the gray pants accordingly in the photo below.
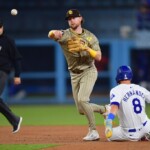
(4, 109)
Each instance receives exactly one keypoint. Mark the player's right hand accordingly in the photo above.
(17, 80)
(51, 34)
(55, 34)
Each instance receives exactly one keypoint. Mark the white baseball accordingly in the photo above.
(14, 12)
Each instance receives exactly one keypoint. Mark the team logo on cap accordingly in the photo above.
(70, 12)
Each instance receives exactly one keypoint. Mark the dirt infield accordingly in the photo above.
(67, 137)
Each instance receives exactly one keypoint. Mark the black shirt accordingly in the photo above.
(9, 55)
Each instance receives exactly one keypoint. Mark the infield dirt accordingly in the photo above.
(67, 138)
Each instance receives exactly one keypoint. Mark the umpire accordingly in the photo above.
(9, 58)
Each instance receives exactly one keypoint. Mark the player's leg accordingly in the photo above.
(102, 109)
(98, 108)
(75, 79)
(118, 135)
(86, 86)
(14, 120)
(75, 91)
(146, 131)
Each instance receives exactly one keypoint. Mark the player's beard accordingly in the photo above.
(74, 26)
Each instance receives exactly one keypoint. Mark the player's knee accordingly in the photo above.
(81, 105)
(80, 110)
(82, 100)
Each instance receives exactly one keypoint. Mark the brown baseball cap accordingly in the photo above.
(72, 13)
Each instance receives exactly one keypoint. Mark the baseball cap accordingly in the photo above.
(72, 13)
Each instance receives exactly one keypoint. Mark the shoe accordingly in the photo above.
(147, 136)
(105, 114)
(17, 127)
(92, 136)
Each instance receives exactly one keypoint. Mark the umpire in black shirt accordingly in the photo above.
(10, 58)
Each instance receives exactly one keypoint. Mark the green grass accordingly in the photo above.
(148, 110)
(50, 115)
(36, 115)
(25, 146)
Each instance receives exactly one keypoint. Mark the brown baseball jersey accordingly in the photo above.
(83, 73)
(79, 60)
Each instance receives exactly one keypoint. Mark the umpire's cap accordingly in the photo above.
(72, 13)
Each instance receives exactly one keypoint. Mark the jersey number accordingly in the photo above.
(137, 106)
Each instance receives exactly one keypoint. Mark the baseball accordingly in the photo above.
(14, 12)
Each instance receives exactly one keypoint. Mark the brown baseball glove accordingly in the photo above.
(76, 44)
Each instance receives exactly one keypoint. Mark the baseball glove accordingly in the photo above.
(76, 44)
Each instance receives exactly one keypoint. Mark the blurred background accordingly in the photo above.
(123, 30)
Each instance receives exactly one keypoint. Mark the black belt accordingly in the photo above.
(134, 130)
(77, 71)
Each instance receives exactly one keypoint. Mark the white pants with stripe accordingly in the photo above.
(121, 134)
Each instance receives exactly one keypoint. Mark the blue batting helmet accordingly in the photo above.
(124, 73)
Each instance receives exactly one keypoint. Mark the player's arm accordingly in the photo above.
(78, 44)
(109, 120)
(94, 50)
(97, 55)
(55, 34)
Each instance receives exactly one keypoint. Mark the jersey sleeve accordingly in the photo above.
(15, 56)
(65, 37)
(95, 43)
(115, 96)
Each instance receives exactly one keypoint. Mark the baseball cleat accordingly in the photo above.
(147, 136)
(92, 136)
(16, 128)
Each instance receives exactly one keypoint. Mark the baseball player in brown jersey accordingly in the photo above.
(81, 48)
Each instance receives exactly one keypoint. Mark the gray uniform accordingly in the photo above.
(83, 73)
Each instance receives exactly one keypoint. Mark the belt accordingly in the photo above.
(135, 130)
(77, 71)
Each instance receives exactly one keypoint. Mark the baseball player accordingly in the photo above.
(9, 58)
(128, 102)
(81, 48)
